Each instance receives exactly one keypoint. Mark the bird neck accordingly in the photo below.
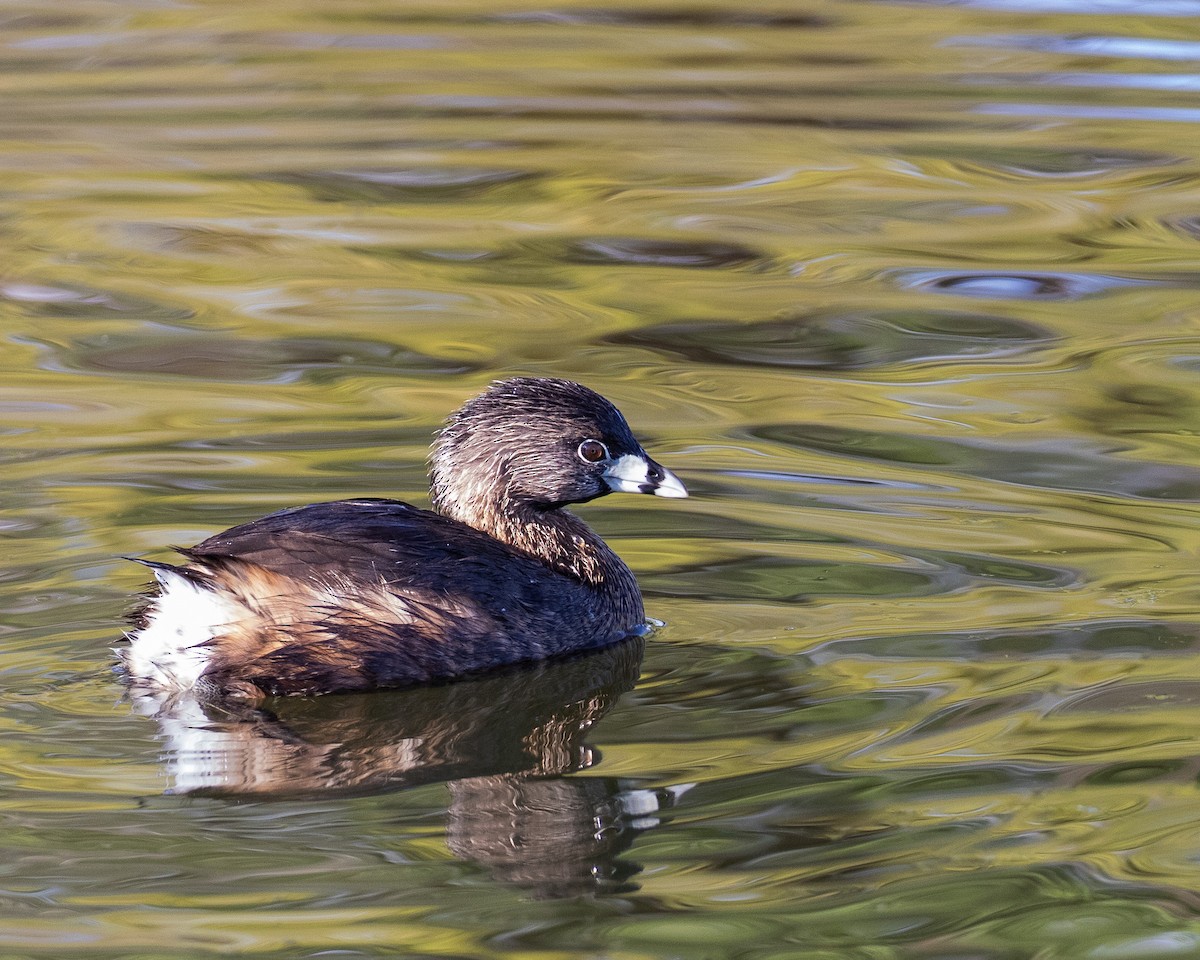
(555, 537)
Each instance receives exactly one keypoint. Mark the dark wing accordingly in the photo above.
(379, 540)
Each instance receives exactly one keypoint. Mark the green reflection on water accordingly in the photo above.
(907, 300)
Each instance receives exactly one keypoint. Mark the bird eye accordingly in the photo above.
(593, 451)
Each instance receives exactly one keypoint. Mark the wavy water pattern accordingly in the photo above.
(904, 291)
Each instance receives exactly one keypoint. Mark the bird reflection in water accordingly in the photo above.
(503, 743)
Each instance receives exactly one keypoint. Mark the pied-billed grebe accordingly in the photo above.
(364, 594)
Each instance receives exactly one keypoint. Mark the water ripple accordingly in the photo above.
(1001, 285)
(1147, 8)
(415, 185)
(936, 697)
(71, 302)
(1090, 45)
(1060, 164)
(1095, 639)
(1120, 698)
(784, 580)
(843, 341)
(1068, 463)
(645, 252)
(222, 358)
(663, 17)
(1187, 115)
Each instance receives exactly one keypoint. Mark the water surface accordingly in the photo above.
(905, 292)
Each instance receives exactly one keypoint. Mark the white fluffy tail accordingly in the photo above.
(173, 649)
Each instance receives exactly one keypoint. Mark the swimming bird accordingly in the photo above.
(374, 593)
